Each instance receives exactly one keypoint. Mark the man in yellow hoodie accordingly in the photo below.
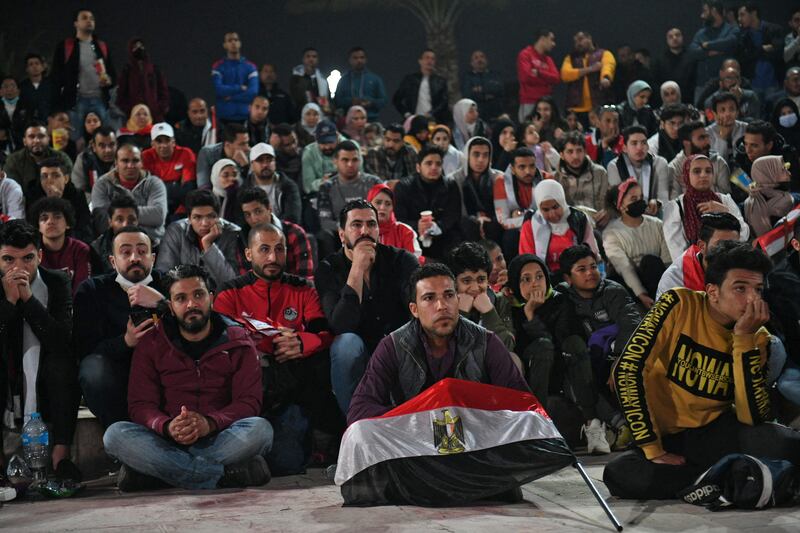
(588, 72)
(691, 381)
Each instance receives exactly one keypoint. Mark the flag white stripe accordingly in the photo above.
(372, 441)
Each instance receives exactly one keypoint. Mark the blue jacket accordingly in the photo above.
(722, 39)
(229, 76)
(364, 84)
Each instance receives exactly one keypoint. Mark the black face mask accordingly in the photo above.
(140, 53)
(637, 208)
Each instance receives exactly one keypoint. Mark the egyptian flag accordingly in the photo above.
(776, 240)
(455, 443)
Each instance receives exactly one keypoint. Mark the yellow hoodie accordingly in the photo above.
(680, 369)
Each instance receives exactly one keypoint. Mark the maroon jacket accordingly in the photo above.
(141, 82)
(224, 384)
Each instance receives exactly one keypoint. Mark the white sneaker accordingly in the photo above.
(7, 494)
(596, 442)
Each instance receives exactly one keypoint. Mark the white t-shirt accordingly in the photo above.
(424, 104)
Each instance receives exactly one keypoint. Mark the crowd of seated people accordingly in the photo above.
(261, 247)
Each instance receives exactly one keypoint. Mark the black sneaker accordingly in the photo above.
(253, 472)
(130, 480)
(66, 470)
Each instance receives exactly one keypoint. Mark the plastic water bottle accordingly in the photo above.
(36, 446)
(601, 267)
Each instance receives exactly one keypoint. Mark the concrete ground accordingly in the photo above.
(310, 503)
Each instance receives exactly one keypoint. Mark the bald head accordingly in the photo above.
(264, 228)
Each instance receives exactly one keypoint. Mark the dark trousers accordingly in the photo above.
(540, 357)
(650, 270)
(633, 476)
(104, 381)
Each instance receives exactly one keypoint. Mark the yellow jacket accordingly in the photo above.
(680, 369)
(569, 73)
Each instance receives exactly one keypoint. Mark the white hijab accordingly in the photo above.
(550, 189)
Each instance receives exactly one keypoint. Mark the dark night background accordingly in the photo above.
(185, 37)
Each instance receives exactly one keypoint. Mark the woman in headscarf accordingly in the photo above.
(635, 111)
(682, 215)
(453, 158)
(554, 226)
(671, 94)
(467, 122)
(309, 118)
(137, 130)
(225, 182)
(392, 232)
(634, 242)
(504, 141)
(417, 131)
(786, 119)
(769, 198)
(354, 124)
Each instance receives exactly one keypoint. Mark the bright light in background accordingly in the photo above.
(333, 81)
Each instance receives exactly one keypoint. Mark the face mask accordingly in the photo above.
(637, 208)
(139, 53)
(788, 121)
(14, 101)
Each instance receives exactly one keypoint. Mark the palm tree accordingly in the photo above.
(438, 17)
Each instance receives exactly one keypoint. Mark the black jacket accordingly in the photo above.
(101, 317)
(443, 197)
(405, 98)
(749, 54)
(783, 297)
(52, 326)
(679, 68)
(281, 108)
(383, 307)
(66, 65)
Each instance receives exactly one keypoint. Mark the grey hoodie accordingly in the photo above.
(150, 195)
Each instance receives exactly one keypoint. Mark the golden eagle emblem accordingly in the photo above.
(448, 434)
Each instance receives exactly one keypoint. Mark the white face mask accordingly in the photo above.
(788, 121)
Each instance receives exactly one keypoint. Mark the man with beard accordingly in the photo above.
(361, 86)
(635, 161)
(585, 182)
(695, 140)
(362, 289)
(284, 194)
(196, 131)
(175, 165)
(437, 340)
(712, 43)
(665, 142)
(23, 165)
(394, 159)
(256, 211)
(297, 378)
(128, 178)
(35, 336)
(349, 183)
(194, 399)
(588, 73)
(675, 63)
(112, 312)
(318, 165)
(96, 160)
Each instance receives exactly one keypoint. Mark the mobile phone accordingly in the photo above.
(140, 314)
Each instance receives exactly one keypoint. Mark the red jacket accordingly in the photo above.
(533, 87)
(224, 384)
(182, 167)
(289, 302)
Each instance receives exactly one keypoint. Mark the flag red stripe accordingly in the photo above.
(451, 392)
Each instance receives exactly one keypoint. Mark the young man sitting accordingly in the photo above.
(691, 381)
(194, 399)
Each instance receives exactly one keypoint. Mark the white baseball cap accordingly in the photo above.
(261, 149)
(162, 128)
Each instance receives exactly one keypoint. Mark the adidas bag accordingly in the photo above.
(745, 482)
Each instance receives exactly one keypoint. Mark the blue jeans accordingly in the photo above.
(291, 446)
(104, 382)
(82, 108)
(348, 363)
(199, 466)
